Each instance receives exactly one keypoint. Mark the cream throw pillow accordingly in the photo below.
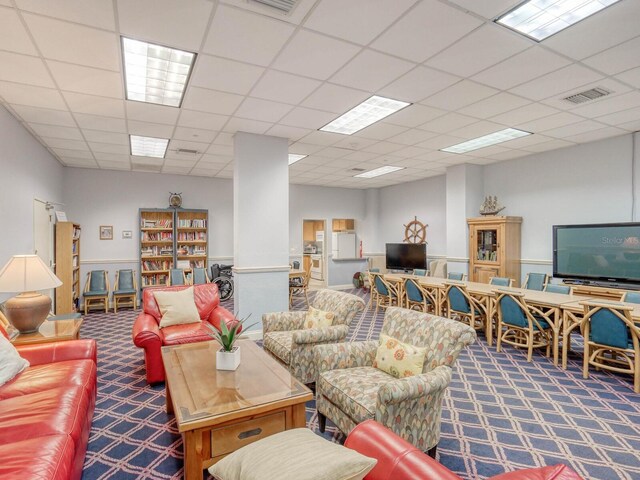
(11, 363)
(318, 319)
(177, 307)
(399, 359)
(297, 454)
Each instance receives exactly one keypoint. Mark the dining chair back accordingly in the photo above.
(535, 281)
(420, 272)
(501, 281)
(125, 290)
(177, 277)
(386, 293)
(414, 296)
(96, 290)
(556, 288)
(631, 297)
(456, 276)
(461, 306)
(199, 276)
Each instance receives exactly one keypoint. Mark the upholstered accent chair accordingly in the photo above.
(126, 290)
(535, 281)
(96, 290)
(611, 339)
(286, 339)
(350, 390)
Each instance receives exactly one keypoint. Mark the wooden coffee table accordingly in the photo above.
(218, 411)
(51, 331)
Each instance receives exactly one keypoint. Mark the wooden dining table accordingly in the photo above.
(297, 273)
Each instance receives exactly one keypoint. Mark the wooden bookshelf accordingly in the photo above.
(67, 248)
(192, 238)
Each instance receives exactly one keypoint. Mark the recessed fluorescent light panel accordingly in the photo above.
(155, 74)
(370, 111)
(379, 171)
(486, 141)
(539, 19)
(293, 158)
(148, 146)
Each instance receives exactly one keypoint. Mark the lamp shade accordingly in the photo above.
(27, 273)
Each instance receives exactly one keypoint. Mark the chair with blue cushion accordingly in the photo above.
(462, 306)
(177, 276)
(456, 276)
(631, 297)
(535, 281)
(420, 272)
(522, 325)
(385, 294)
(96, 290)
(611, 339)
(416, 298)
(556, 288)
(125, 292)
(501, 281)
(199, 276)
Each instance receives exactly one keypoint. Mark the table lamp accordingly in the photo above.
(24, 274)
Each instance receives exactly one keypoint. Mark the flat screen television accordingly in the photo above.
(605, 252)
(406, 256)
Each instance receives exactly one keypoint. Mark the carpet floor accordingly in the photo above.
(500, 412)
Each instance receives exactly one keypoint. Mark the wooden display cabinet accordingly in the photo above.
(67, 248)
(494, 248)
(156, 246)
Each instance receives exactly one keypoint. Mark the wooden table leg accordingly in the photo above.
(193, 455)
(557, 328)
(169, 404)
(299, 416)
(569, 323)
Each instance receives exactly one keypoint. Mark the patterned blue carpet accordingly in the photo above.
(500, 414)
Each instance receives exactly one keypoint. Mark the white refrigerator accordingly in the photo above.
(343, 245)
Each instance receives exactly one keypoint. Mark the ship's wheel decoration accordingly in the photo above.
(415, 231)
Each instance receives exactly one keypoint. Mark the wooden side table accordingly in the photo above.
(51, 331)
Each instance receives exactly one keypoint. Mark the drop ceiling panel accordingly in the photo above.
(553, 84)
(24, 69)
(381, 131)
(307, 118)
(524, 114)
(448, 122)
(194, 134)
(95, 13)
(606, 105)
(419, 84)
(459, 95)
(100, 136)
(487, 8)
(335, 98)
(292, 133)
(19, 94)
(14, 36)
(55, 131)
(594, 135)
(263, 110)
(96, 122)
(413, 136)
(371, 71)
(245, 125)
(489, 107)
(146, 129)
(202, 120)
(632, 77)
(272, 87)
(211, 101)
(148, 112)
(383, 148)
(93, 105)
(109, 148)
(322, 138)
(44, 116)
(550, 145)
(67, 153)
(56, 143)
(574, 129)
(414, 115)
(553, 121)
(613, 86)
(622, 117)
(92, 81)
(225, 75)
(617, 59)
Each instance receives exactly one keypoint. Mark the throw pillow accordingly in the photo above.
(318, 319)
(177, 307)
(11, 363)
(297, 454)
(398, 358)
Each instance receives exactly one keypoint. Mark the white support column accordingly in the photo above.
(261, 225)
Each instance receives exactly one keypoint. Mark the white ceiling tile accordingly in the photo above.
(633, 126)
(354, 142)
(371, 71)
(90, 104)
(55, 131)
(459, 95)
(175, 144)
(361, 156)
(14, 36)
(509, 155)
(554, 83)
(69, 42)
(440, 141)
(546, 146)
(292, 133)
(207, 121)
(194, 134)
(482, 48)
(317, 137)
(95, 122)
(114, 165)
(215, 149)
(593, 135)
(448, 122)
(307, 118)
(78, 162)
(477, 130)
(109, 148)
(236, 124)
(24, 69)
(92, 81)
(176, 24)
(112, 157)
(316, 55)
(487, 8)
(408, 152)
(632, 77)
(105, 137)
(609, 84)
(296, 16)
(225, 75)
(335, 98)
(211, 101)
(621, 117)
(574, 129)
(617, 59)
(606, 105)
(425, 30)
(334, 152)
(523, 67)
(524, 114)
(524, 142)
(414, 115)
(500, 103)
(381, 131)
(66, 153)
(61, 143)
(245, 36)
(224, 138)
(44, 116)
(30, 95)
(284, 87)
(263, 110)
(149, 129)
(552, 121)
(96, 13)
(413, 136)
(359, 21)
(419, 84)
(213, 160)
(148, 112)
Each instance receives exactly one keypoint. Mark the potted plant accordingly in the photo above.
(228, 357)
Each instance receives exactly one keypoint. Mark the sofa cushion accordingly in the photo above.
(316, 318)
(188, 333)
(297, 454)
(279, 343)
(177, 308)
(354, 390)
(11, 363)
(49, 457)
(398, 358)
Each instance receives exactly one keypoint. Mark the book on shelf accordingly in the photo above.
(192, 236)
(192, 223)
(156, 223)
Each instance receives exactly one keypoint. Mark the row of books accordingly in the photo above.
(157, 236)
(192, 250)
(488, 255)
(156, 250)
(192, 236)
(157, 223)
(149, 280)
(151, 265)
(76, 233)
(192, 223)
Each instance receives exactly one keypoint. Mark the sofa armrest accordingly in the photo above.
(415, 387)
(344, 355)
(59, 351)
(146, 331)
(221, 314)
(282, 321)
(320, 335)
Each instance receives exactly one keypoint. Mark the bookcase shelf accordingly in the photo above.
(67, 253)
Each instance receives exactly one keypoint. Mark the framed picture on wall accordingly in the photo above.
(106, 232)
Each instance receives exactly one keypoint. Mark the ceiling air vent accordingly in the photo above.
(587, 95)
(284, 6)
(357, 169)
(187, 151)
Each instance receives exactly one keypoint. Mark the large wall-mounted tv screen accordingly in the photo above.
(406, 256)
(608, 252)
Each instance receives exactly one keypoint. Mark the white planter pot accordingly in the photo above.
(228, 360)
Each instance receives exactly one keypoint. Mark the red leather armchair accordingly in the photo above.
(148, 335)
(399, 460)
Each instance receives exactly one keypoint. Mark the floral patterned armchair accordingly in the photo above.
(349, 390)
(285, 338)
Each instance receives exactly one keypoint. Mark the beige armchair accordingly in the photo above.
(285, 338)
(350, 390)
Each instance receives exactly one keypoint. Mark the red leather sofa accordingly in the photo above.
(148, 335)
(399, 460)
(46, 412)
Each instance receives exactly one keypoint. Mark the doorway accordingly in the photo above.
(314, 257)
(43, 235)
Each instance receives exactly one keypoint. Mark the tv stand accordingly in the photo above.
(610, 291)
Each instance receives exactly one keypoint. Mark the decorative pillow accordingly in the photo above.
(318, 319)
(177, 307)
(399, 359)
(11, 363)
(297, 454)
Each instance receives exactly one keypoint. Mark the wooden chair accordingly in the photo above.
(415, 297)
(463, 307)
(555, 288)
(525, 325)
(461, 277)
(300, 285)
(369, 283)
(387, 294)
(125, 291)
(501, 281)
(611, 340)
(631, 297)
(96, 290)
(177, 276)
(199, 276)
(420, 272)
(535, 281)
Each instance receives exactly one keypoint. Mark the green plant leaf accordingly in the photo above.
(223, 328)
